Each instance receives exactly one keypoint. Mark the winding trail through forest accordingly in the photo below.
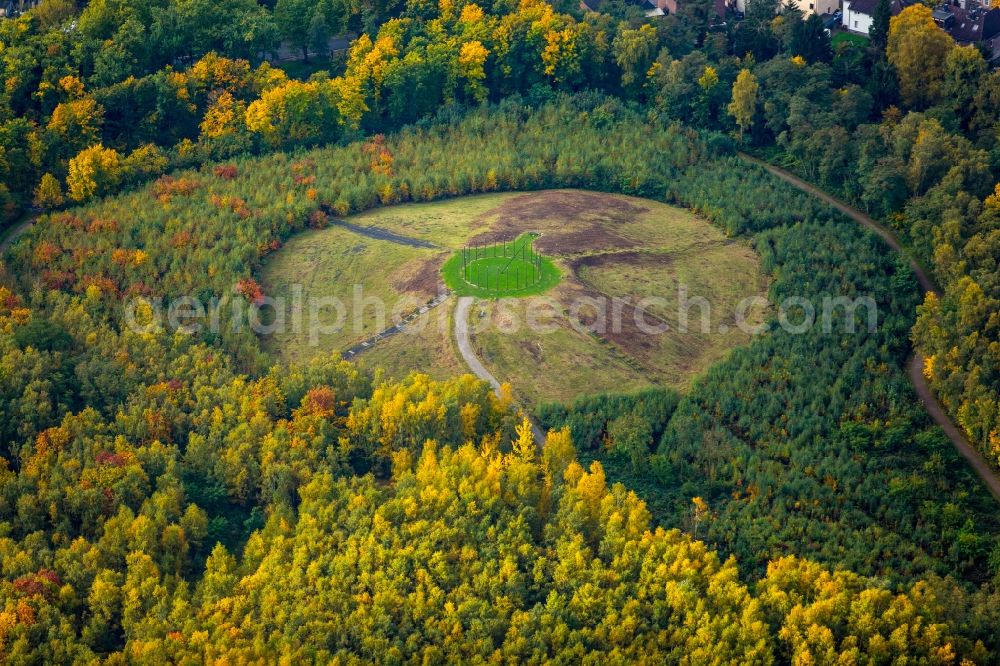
(15, 233)
(916, 363)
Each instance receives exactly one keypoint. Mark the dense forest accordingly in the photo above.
(166, 430)
(170, 497)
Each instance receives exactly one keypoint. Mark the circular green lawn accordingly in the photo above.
(499, 270)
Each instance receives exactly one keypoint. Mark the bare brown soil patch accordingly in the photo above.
(532, 350)
(570, 221)
(627, 327)
(612, 319)
(425, 279)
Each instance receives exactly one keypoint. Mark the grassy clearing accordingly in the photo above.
(849, 38)
(668, 228)
(337, 263)
(704, 285)
(599, 246)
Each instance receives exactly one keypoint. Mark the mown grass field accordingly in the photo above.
(501, 270)
(607, 248)
(850, 38)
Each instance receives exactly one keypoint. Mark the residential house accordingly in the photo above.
(821, 7)
(967, 21)
(858, 14)
(971, 23)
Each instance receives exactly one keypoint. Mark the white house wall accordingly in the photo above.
(855, 21)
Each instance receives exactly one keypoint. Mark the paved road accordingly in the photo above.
(14, 234)
(465, 349)
(287, 53)
(916, 363)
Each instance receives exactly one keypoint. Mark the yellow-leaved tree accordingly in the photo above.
(93, 171)
(471, 66)
(48, 194)
(307, 112)
(917, 48)
(76, 123)
(744, 102)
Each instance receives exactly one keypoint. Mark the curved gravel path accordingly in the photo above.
(477, 367)
(916, 362)
(465, 345)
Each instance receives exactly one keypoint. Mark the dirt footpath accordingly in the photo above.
(916, 364)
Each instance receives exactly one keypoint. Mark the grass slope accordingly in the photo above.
(448, 223)
(358, 271)
(427, 345)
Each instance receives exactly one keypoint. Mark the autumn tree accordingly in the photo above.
(744, 102)
(76, 124)
(471, 60)
(144, 162)
(634, 52)
(93, 171)
(964, 70)
(48, 194)
(918, 48)
(51, 13)
(307, 113)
